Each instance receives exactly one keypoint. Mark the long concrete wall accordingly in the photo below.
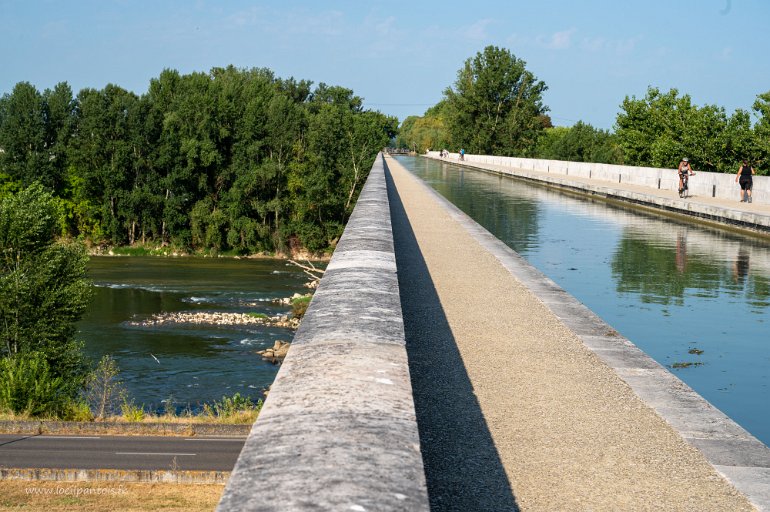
(706, 184)
(338, 430)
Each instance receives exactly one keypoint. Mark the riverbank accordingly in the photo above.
(536, 420)
(170, 252)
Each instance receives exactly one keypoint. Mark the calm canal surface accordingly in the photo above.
(673, 288)
(195, 364)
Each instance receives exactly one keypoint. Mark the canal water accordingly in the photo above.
(183, 364)
(695, 299)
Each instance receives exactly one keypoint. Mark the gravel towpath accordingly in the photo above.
(515, 413)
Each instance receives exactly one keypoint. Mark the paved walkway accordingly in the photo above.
(514, 411)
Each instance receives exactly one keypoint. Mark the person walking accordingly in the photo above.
(744, 179)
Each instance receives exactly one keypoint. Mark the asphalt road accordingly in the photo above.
(120, 452)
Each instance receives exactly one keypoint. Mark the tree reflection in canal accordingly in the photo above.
(509, 215)
(666, 274)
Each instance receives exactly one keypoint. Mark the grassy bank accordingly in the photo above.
(233, 410)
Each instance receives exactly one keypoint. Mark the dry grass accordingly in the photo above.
(235, 418)
(99, 496)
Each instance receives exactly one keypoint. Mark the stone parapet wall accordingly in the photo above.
(338, 430)
(705, 184)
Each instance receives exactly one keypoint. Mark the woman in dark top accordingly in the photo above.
(744, 179)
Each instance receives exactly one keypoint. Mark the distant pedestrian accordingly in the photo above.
(744, 179)
(462, 154)
(684, 169)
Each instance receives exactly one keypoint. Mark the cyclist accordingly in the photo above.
(744, 179)
(684, 170)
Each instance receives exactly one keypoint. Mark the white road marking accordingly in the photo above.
(156, 453)
(240, 440)
(65, 437)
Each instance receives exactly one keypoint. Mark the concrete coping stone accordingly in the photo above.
(338, 430)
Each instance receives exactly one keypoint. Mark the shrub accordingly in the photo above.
(28, 386)
(299, 305)
(233, 409)
(131, 411)
(104, 388)
(78, 411)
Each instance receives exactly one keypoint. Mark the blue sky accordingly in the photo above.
(400, 56)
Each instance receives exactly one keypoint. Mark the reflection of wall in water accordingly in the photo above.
(512, 216)
(702, 241)
(657, 256)
(661, 258)
(663, 273)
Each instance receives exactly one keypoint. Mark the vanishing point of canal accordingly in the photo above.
(696, 299)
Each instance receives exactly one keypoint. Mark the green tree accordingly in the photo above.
(22, 135)
(28, 386)
(59, 112)
(579, 143)
(35, 130)
(405, 137)
(427, 132)
(103, 156)
(43, 290)
(366, 134)
(496, 105)
(233, 159)
(762, 129)
(661, 128)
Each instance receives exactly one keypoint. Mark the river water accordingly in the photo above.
(696, 299)
(189, 365)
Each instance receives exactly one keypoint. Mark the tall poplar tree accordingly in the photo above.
(496, 106)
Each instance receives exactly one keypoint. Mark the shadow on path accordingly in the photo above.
(462, 466)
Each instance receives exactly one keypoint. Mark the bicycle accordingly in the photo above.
(684, 192)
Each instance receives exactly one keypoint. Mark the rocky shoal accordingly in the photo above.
(216, 318)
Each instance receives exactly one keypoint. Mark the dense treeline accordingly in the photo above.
(231, 160)
(661, 128)
(495, 107)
